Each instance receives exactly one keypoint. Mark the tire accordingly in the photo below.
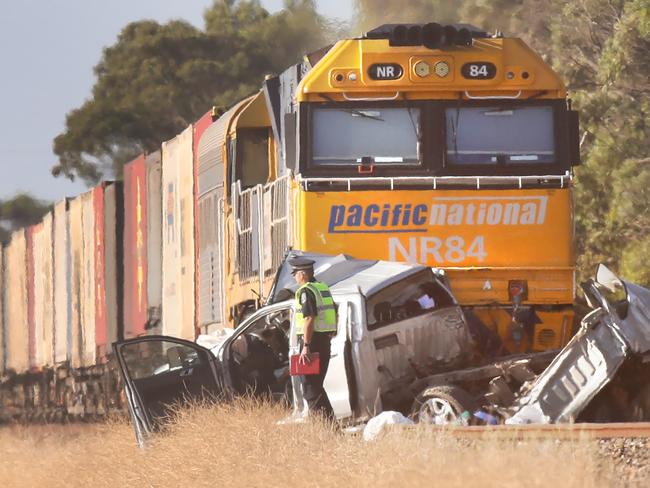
(443, 405)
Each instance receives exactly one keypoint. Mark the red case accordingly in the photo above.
(312, 367)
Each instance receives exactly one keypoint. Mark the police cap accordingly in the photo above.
(301, 264)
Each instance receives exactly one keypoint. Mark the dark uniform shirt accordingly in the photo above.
(308, 302)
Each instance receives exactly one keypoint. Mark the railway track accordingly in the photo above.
(556, 431)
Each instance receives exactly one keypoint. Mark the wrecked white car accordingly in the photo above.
(599, 376)
(395, 322)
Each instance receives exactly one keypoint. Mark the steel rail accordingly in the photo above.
(554, 431)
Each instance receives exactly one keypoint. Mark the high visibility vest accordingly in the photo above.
(325, 320)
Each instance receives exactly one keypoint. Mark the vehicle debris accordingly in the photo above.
(616, 331)
(594, 378)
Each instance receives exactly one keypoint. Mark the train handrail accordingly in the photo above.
(437, 181)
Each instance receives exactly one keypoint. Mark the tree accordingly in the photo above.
(611, 83)
(21, 211)
(157, 79)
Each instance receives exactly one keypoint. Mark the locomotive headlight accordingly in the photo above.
(422, 69)
(442, 69)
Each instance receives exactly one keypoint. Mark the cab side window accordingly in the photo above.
(252, 157)
(412, 296)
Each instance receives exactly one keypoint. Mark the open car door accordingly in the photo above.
(161, 372)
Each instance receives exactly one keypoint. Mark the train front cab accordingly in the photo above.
(456, 156)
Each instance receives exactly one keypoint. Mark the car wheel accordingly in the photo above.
(443, 405)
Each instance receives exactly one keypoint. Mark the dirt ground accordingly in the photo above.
(241, 445)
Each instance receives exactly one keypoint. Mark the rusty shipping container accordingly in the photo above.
(41, 293)
(178, 236)
(142, 245)
(62, 285)
(98, 278)
(107, 228)
(154, 242)
(210, 193)
(16, 315)
(135, 247)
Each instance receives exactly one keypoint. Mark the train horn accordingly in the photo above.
(464, 37)
(449, 35)
(432, 34)
(398, 35)
(414, 35)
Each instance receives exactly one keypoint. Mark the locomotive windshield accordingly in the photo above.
(343, 136)
(491, 135)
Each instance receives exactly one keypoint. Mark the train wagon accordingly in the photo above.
(62, 309)
(142, 244)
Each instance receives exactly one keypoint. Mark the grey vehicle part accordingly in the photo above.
(608, 336)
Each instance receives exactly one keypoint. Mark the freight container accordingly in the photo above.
(107, 221)
(3, 299)
(113, 268)
(88, 315)
(31, 299)
(210, 193)
(142, 245)
(75, 243)
(16, 325)
(98, 282)
(154, 242)
(178, 236)
(41, 277)
(135, 247)
(62, 285)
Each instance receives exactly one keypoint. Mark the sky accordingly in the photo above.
(48, 49)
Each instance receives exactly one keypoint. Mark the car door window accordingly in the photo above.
(165, 373)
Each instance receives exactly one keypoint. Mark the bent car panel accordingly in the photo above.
(610, 334)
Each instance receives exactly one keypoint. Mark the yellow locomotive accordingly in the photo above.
(432, 144)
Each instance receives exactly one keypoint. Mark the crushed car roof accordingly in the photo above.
(342, 271)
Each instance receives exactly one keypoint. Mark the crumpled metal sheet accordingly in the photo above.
(587, 363)
(636, 326)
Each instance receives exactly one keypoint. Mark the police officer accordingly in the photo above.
(315, 325)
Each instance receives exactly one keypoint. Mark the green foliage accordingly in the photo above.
(157, 79)
(21, 211)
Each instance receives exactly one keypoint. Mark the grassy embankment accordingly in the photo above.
(240, 445)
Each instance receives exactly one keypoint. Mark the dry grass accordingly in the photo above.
(240, 445)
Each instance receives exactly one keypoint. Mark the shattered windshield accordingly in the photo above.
(490, 135)
(343, 136)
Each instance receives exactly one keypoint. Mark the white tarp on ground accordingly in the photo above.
(376, 425)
